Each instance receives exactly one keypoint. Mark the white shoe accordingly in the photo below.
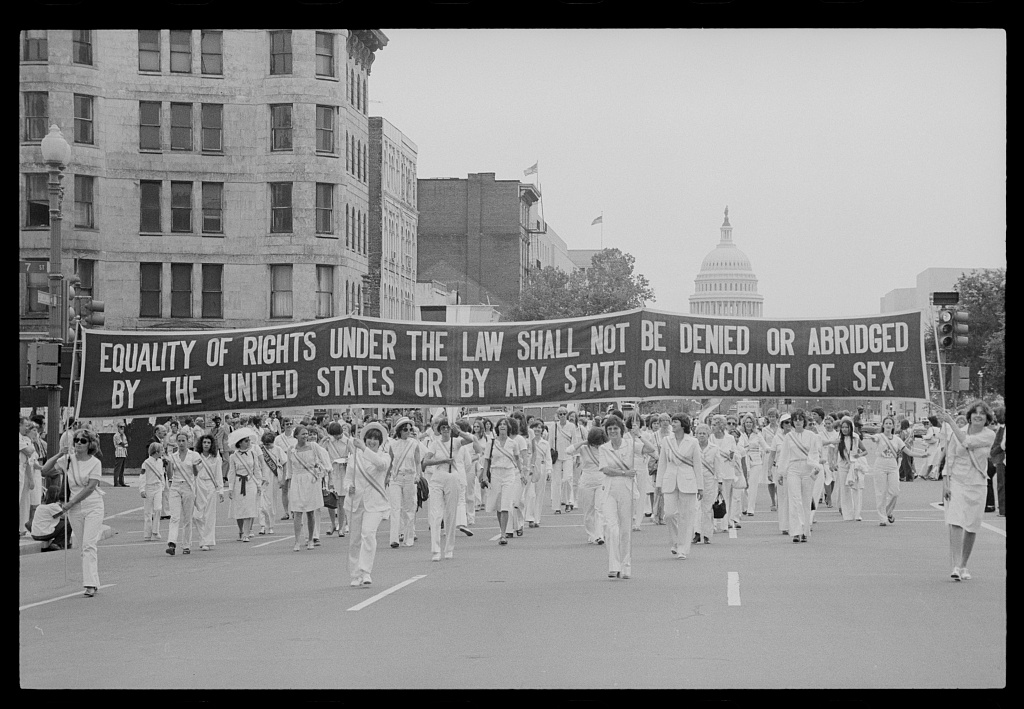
(270, 531)
(356, 582)
(964, 574)
(436, 557)
(449, 555)
(367, 580)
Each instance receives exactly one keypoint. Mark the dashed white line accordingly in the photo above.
(275, 541)
(997, 530)
(374, 599)
(61, 598)
(734, 588)
(126, 512)
(732, 532)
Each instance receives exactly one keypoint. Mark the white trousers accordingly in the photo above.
(887, 489)
(442, 503)
(706, 520)
(619, 501)
(183, 502)
(800, 493)
(402, 497)
(561, 470)
(783, 502)
(86, 519)
(592, 501)
(151, 512)
(730, 508)
(267, 511)
(204, 516)
(362, 545)
(680, 512)
(535, 498)
(461, 517)
(754, 477)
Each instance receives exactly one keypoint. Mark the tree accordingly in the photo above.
(983, 296)
(608, 286)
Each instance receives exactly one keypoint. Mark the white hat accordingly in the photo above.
(784, 417)
(374, 426)
(238, 434)
(401, 422)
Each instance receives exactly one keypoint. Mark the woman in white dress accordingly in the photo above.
(406, 467)
(965, 483)
(271, 471)
(336, 443)
(849, 447)
(209, 491)
(305, 471)
(801, 455)
(84, 506)
(621, 459)
(591, 481)
(503, 468)
(752, 448)
(243, 482)
(365, 483)
(679, 459)
(185, 464)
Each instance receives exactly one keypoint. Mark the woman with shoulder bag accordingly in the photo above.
(406, 470)
(336, 443)
(501, 469)
(84, 508)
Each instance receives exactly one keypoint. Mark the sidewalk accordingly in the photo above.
(28, 545)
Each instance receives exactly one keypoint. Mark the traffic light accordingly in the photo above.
(43, 364)
(960, 327)
(961, 379)
(74, 284)
(92, 311)
(945, 328)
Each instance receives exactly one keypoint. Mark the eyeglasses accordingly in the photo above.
(561, 414)
(81, 440)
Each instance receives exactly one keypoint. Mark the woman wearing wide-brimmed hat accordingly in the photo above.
(366, 499)
(305, 470)
(244, 481)
(406, 457)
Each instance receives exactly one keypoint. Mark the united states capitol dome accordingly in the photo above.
(726, 284)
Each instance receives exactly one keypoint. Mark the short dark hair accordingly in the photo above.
(684, 421)
(374, 433)
(797, 414)
(612, 420)
(334, 428)
(596, 436)
(981, 406)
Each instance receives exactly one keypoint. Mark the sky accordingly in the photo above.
(850, 160)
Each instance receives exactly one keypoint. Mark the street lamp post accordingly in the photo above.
(56, 155)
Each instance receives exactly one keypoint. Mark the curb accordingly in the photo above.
(29, 545)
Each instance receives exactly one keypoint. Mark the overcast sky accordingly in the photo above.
(851, 160)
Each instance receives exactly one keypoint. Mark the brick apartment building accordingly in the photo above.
(218, 178)
(474, 236)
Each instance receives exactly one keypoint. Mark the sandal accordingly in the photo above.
(90, 591)
(519, 532)
(503, 541)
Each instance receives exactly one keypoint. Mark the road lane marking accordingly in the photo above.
(734, 588)
(126, 512)
(274, 541)
(732, 532)
(986, 525)
(373, 599)
(495, 538)
(61, 598)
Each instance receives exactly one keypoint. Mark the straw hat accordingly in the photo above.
(401, 422)
(238, 434)
(784, 417)
(374, 427)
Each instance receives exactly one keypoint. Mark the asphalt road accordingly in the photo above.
(858, 606)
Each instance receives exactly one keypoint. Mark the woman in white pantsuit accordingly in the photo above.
(849, 448)
(777, 465)
(367, 500)
(151, 488)
(538, 466)
(564, 433)
(801, 456)
(591, 483)
(965, 483)
(209, 491)
(888, 447)
(621, 459)
(443, 500)
(752, 448)
(678, 484)
(84, 507)
(704, 527)
(405, 472)
(185, 464)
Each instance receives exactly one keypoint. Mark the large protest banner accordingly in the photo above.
(639, 354)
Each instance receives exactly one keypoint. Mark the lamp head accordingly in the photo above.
(55, 147)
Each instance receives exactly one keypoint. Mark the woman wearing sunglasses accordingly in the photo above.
(84, 506)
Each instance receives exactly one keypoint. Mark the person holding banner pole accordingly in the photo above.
(621, 457)
(405, 472)
(208, 483)
(367, 498)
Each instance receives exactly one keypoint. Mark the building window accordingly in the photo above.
(37, 105)
(83, 119)
(34, 49)
(281, 291)
(149, 201)
(212, 52)
(149, 125)
(84, 201)
(324, 208)
(325, 128)
(281, 127)
(181, 290)
(150, 301)
(213, 207)
(325, 291)
(35, 283)
(324, 54)
(81, 47)
(181, 126)
(149, 50)
(37, 201)
(213, 296)
(281, 52)
(86, 270)
(348, 226)
(212, 117)
(281, 207)
(365, 97)
(181, 207)
(181, 51)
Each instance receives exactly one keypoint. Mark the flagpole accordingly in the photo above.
(602, 230)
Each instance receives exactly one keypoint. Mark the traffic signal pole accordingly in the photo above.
(938, 358)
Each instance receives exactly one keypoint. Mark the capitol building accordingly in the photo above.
(726, 285)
